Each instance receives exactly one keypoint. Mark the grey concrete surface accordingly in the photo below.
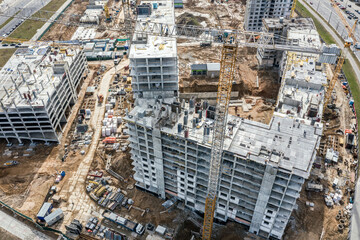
(19, 229)
(337, 40)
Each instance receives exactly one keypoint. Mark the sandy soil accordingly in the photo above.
(308, 224)
(15, 180)
(72, 14)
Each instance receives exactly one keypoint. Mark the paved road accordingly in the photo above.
(324, 8)
(19, 229)
(8, 8)
(337, 40)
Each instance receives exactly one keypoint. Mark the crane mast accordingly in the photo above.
(337, 71)
(227, 68)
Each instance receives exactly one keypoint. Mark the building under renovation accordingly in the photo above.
(257, 10)
(264, 165)
(39, 87)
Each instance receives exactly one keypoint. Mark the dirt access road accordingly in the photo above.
(77, 203)
(72, 190)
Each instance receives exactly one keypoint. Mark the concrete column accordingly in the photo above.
(158, 161)
(263, 198)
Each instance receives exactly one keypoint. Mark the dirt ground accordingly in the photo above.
(62, 32)
(246, 76)
(312, 224)
(227, 15)
(306, 223)
(15, 180)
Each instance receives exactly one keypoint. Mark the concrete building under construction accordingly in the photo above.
(153, 60)
(257, 10)
(39, 87)
(283, 27)
(263, 166)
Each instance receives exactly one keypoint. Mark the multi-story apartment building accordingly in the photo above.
(257, 10)
(263, 167)
(280, 27)
(39, 87)
(153, 60)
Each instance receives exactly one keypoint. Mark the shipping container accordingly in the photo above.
(44, 211)
(54, 217)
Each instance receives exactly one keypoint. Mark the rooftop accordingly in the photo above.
(304, 23)
(310, 37)
(153, 46)
(302, 91)
(32, 75)
(280, 143)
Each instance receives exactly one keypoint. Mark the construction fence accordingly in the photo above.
(32, 222)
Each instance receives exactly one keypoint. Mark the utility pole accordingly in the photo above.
(318, 6)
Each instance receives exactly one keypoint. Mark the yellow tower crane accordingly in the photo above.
(292, 15)
(107, 14)
(227, 68)
(335, 76)
(230, 40)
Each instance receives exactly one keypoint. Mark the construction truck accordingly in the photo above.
(107, 14)
(98, 192)
(109, 140)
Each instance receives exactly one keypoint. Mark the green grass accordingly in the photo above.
(28, 29)
(354, 86)
(325, 35)
(5, 54)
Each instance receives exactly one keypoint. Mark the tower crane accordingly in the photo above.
(230, 41)
(335, 76)
(352, 31)
(345, 22)
(292, 14)
(107, 14)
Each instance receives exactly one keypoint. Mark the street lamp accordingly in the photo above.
(330, 17)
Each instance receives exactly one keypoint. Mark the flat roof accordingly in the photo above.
(213, 66)
(303, 88)
(154, 46)
(30, 72)
(281, 143)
